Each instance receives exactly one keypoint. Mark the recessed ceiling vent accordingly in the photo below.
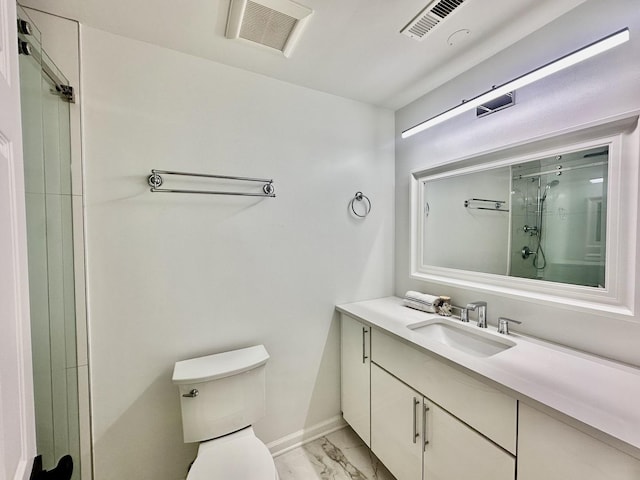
(276, 24)
(429, 18)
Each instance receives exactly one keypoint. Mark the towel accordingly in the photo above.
(422, 301)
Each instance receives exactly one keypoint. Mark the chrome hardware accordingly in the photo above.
(364, 354)
(155, 180)
(24, 27)
(526, 252)
(503, 325)
(192, 394)
(485, 204)
(268, 188)
(482, 312)
(425, 437)
(66, 92)
(531, 230)
(24, 48)
(415, 419)
(464, 315)
(359, 196)
(558, 171)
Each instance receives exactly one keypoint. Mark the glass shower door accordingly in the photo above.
(559, 217)
(47, 159)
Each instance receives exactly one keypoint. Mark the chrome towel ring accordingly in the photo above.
(361, 197)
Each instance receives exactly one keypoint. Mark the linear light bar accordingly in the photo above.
(561, 63)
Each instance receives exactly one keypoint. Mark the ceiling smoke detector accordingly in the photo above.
(276, 24)
(429, 18)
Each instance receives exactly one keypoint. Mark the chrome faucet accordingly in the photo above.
(503, 324)
(482, 312)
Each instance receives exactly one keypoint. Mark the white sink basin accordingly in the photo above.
(462, 337)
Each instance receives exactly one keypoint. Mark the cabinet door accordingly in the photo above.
(396, 419)
(456, 451)
(355, 378)
(551, 450)
(477, 404)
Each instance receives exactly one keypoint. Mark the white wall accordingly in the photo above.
(173, 276)
(596, 89)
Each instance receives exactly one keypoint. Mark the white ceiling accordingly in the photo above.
(350, 48)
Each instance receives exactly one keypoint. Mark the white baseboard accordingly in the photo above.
(296, 439)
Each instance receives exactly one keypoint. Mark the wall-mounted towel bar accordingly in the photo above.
(484, 204)
(155, 181)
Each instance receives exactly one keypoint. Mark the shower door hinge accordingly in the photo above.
(67, 93)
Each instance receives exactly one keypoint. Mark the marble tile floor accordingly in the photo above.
(340, 455)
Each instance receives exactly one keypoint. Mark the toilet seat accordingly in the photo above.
(238, 456)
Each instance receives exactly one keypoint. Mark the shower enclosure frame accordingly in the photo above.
(65, 52)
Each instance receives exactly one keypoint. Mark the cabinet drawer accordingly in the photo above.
(483, 407)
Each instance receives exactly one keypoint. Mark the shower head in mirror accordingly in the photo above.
(548, 187)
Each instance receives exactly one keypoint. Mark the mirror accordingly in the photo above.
(543, 219)
(550, 220)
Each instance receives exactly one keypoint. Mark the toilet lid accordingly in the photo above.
(239, 456)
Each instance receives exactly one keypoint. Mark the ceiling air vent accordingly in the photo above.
(276, 24)
(429, 18)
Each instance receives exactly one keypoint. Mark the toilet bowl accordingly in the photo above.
(237, 456)
(221, 396)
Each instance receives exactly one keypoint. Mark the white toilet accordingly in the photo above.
(221, 396)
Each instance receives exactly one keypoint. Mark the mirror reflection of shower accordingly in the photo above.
(539, 259)
(559, 217)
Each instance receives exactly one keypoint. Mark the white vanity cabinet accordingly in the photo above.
(484, 417)
(416, 439)
(396, 425)
(552, 450)
(479, 405)
(355, 371)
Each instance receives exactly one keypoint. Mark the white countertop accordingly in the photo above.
(601, 395)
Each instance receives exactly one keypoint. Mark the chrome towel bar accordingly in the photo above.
(484, 204)
(155, 181)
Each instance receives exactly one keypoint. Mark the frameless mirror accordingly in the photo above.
(554, 220)
(543, 219)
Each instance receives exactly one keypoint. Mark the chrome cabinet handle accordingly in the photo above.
(415, 419)
(364, 352)
(192, 394)
(425, 436)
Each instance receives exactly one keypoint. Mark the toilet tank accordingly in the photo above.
(221, 393)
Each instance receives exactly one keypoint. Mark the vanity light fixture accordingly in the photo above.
(561, 63)
(597, 180)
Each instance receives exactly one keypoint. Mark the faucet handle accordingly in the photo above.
(503, 324)
(474, 305)
(464, 315)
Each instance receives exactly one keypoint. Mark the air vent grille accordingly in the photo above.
(276, 24)
(429, 18)
(266, 26)
(445, 7)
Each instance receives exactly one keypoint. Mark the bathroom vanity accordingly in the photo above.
(435, 398)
